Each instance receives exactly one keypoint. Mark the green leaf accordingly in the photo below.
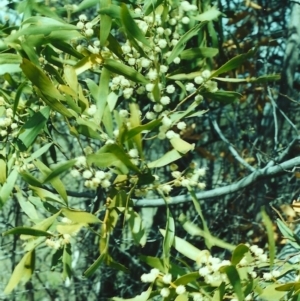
(119, 68)
(86, 4)
(153, 262)
(265, 78)
(234, 279)
(67, 262)
(233, 63)
(8, 186)
(194, 53)
(194, 230)
(114, 11)
(46, 195)
(224, 97)
(55, 182)
(18, 96)
(182, 297)
(10, 58)
(285, 230)
(166, 159)
(26, 231)
(141, 128)
(187, 278)
(27, 206)
(105, 23)
(120, 154)
(150, 6)
(102, 95)
(179, 47)
(271, 241)
(31, 129)
(238, 254)
(43, 226)
(168, 240)
(270, 292)
(3, 174)
(22, 271)
(80, 216)
(135, 121)
(209, 15)
(59, 170)
(131, 27)
(92, 269)
(288, 287)
(40, 79)
(136, 226)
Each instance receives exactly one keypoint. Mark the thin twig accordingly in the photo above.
(231, 148)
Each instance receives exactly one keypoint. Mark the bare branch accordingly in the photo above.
(265, 172)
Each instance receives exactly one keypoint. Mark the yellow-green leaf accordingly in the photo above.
(22, 271)
(80, 216)
(181, 146)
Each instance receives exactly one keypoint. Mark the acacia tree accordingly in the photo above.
(123, 90)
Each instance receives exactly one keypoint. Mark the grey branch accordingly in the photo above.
(271, 169)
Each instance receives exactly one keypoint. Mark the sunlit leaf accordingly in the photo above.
(209, 15)
(187, 249)
(181, 146)
(166, 159)
(8, 186)
(3, 174)
(69, 229)
(22, 271)
(80, 216)
(271, 241)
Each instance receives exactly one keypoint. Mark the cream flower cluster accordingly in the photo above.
(6, 120)
(166, 279)
(93, 178)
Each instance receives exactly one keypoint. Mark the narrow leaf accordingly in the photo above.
(80, 216)
(179, 47)
(124, 70)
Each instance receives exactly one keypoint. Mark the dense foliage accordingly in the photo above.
(104, 108)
